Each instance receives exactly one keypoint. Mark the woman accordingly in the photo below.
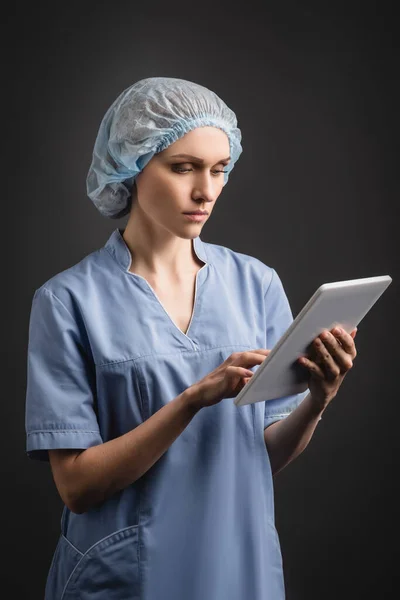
(135, 354)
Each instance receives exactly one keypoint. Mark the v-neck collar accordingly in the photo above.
(117, 247)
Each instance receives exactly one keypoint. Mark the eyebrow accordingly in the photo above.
(196, 158)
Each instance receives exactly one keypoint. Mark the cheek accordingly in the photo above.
(174, 191)
(153, 188)
(165, 184)
(165, 198)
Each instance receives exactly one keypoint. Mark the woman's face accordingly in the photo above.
(171, 185)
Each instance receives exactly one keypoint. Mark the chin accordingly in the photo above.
(190, 235)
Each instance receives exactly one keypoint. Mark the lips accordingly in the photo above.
(196, 212)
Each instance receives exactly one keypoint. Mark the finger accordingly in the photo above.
(249, 358)
(339, 354)
(346, 340)
(312, 367)
(262, 351)
(325, 360)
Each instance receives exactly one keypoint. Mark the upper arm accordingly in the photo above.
(61, 386)
(62, 462)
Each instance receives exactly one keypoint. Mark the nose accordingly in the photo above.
(206, 188)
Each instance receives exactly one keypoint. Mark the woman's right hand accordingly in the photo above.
(227, 380)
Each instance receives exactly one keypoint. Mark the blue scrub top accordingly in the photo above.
(103, 356)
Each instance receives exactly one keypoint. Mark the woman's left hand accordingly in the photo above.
(332, 356)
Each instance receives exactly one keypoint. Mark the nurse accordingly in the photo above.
(135, 355)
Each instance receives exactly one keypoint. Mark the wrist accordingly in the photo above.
(317, 404)
(192, 398)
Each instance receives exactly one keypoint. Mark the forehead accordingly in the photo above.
(207, 143)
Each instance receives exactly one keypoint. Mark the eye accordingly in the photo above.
(181, 170)
(178, 169)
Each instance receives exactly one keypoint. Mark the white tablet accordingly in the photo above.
(343, 303)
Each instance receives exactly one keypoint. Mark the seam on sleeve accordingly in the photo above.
(284, 414)
(269, 285)
(74, 321)
(274, 418)
(34, 431)
(58, 300)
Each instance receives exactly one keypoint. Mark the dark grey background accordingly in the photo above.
(314, 195)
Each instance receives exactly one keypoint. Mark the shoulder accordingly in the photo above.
(77, 281)
(246, 266)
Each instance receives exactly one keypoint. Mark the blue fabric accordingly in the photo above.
(104, 356)
(145, 119)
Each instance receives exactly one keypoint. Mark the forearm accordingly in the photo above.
(287, 438)
(100, 471)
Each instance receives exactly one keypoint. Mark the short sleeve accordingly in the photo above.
(278, 318)
(60, 392)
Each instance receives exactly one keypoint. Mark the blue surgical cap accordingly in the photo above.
(146, 118)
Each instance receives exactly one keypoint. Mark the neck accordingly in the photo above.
(157, 251)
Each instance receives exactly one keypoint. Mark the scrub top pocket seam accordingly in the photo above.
(55, 555)
(71, 544)
(89, 550)
(144, 408)
(176, 351)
